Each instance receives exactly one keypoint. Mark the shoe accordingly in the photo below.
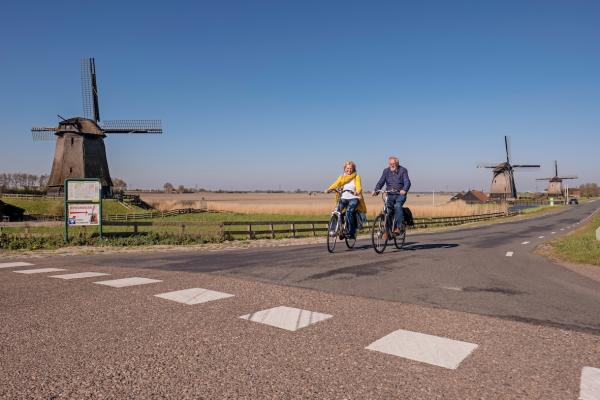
(397, 231)
(385, 236)
(331, 233)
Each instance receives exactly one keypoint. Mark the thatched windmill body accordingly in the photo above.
(80, 150)
(503, 179)
(555, 184)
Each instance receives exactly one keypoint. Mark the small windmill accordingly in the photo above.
(555, 184)
(80, 150)
(503, 180)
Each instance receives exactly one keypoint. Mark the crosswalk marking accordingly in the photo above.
(119, 283)
(287, 318)
(39, 270)
(435, 350)
(193, 296)
(14, 264)
(79, 275)
(590, 384)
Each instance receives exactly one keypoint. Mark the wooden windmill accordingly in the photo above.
(80, 150)
(503, 180)
(555, 184)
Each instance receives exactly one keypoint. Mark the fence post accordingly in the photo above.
(272, 231)
(293, 230)
(313, 229)
(182, 229)
(135, 227)
(249, 231)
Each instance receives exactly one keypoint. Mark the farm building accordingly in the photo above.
(471, 197)
(10, 213)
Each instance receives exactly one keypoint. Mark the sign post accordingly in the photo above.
(83, 204)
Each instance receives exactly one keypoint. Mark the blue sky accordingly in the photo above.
(269, 94)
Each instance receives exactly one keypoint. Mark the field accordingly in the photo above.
(51, 206)
(581, 246)
(318, 204)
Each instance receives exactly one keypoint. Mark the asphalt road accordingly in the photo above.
(533, 326)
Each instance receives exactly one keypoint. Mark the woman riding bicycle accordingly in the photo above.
(351, 196)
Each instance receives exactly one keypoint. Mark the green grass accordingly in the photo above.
(581, 246)
(542, 209)
(46, 206)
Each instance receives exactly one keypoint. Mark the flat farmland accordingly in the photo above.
(422, 204)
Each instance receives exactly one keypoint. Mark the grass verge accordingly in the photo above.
(581, 245)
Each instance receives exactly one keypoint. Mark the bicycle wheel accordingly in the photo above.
(377, 233)
(350, 242)
(332, 233)
(400, 239)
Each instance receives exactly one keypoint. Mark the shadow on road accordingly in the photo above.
(413, 246)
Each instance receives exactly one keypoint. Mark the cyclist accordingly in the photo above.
(396, 179)
(351, 197)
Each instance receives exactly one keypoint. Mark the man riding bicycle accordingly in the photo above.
(396, 179)
(351, 195)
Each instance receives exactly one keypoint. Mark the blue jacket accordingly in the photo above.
(397, 180)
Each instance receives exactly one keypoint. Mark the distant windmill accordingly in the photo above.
(80, 150)
(503, 180)
(555, 186)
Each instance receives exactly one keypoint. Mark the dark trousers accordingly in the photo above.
(350, 205)
(393, 207)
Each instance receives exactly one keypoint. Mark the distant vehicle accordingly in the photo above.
(574, 202)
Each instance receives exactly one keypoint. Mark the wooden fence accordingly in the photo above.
(252, 229)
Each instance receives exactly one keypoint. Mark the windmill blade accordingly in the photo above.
(133, 126)
(526, 166)
(555, 168)
(89, 89)
(486, 165)
(544, 179)
(569, 177)
(507, 145)
(42, 133)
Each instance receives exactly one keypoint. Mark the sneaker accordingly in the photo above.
(332, 233)
(385, 236)
(397, 231)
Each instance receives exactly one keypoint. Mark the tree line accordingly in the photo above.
(30, 183)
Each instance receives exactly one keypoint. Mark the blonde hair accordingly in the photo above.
(350, 163)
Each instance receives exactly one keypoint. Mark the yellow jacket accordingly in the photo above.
(341, 181)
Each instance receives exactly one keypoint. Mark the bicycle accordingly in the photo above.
(380, 228)
(338, 226)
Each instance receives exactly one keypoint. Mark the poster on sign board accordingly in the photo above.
(84, 214)
(83, 191)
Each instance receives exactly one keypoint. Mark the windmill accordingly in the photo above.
(80, 150)
(555, 185)
(503, 180)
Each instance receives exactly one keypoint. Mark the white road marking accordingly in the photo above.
(435, 350)
(14, 264)
(554, 233)
(194, 296)
(79, 275)
(562, 229)
(590, 384)
(541, 237)
(509, 253)
(525, 243)
(119, 283)
(456, 289)
(39, 270)
(287, 318)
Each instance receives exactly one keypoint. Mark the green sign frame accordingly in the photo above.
(95, 198)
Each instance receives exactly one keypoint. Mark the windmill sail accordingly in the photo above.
(132, 126)
(43, 133)
(89, 89)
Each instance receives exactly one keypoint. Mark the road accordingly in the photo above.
(470, 313)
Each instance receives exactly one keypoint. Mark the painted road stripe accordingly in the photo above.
(525, 243)
(541, 237)
(194, 296)
(287, 318)
(509, 253)
(554, 233)
(435, 350)
(39, 270)
(562, 229)
(119, 283)
(79, 275)
(14, 264)
(590, 384)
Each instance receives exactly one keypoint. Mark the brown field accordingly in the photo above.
(304, 204)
